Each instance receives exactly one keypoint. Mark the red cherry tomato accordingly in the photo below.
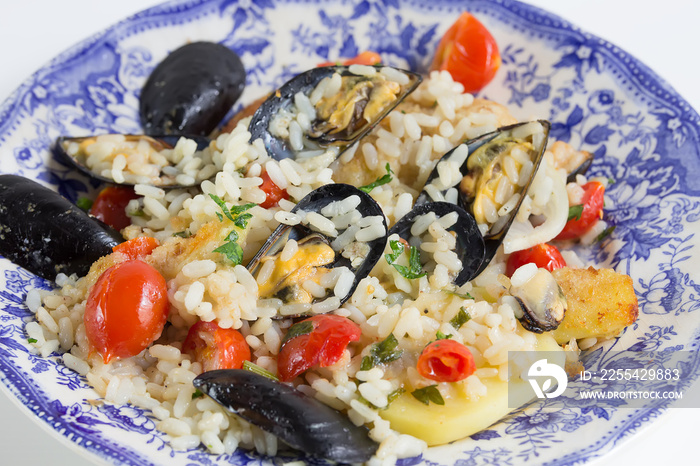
(273, 192)
(126, 310)
(137, 248)
(469, 52)
(593, 200)
(363, 58)
(215, 347)
(543, 255)
(110, 206)
(318, 340)
(446, 361)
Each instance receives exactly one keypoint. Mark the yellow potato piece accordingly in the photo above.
(460, 417)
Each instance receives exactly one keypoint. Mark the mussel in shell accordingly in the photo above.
(45, 233)
(469, 245)
(167, 161)
(542, 301)
(489, 177)
(191, 90)
(329, 108)
(314, 265)
(299, 420)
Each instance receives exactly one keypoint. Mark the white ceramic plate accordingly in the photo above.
(598, 97)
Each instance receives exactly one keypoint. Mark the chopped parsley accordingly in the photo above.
(84, 203)
(249, 366)
(298, 329)
(459, 295)
(31, 340)
(575, 212)
(414, 269)
(197, 394)
(441, 336)
(460, 319)
(381, 353)
(182, 234)
(605, 233)
(395, 394)
(232, 212)
(380, 181)
(427, 394)
(611, 181)
(231, 249)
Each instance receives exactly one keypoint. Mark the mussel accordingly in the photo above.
(191, 90)
(489, 177)
(315, 264)
(329, 108)
(136, 159)
(299, 420)
(469, 245)
(542, 301)
(45, 233)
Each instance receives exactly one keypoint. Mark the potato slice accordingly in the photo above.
(460, 417)
(600, 303)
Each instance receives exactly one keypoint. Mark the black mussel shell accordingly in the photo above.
(306, 82)
(314, 202)
(158, 142)
(191, 90)
(299, 420)
(470, 243)
(46, 234)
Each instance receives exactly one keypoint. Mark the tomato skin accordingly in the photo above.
(593, 200)
(323, 345)
(126, 310)
(273, 192)
(110, 206)
(229, 351)
(137, 248)
(469, 52)
(363, 58)
(543, 255)
(446, 361)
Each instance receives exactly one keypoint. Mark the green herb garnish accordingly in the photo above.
(197, 394)
(460, 319)
(182, 234)
(382, 353)
(611, 181)
(301, 328)
(427, 394)
(232, 251)
(605, 233)
(242, 220)
(84, 203)
(380, 181)
(441, 336)
(249, 366)
(414, 269)
(395, 394)
(31, 340)
(459, 295)
(575, 212)
(232, 212)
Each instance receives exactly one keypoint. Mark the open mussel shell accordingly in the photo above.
(542, 302)
(191, 90)
(479, 165)
(352, 104)
(359, 257)
(469, 246)
(46, 234)
(297, 419)
(72, 151)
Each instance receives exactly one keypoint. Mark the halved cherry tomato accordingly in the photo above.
(137, 248)
(469, 52)
(273, 192)
(446, 361)
(110, 206)
(363, 58)
(318, 340)
(593, 200)
(543, 255)
(126, 310)
(215, 347)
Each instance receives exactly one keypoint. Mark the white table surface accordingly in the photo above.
(664, 35)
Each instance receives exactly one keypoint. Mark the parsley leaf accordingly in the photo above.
(242, 220)
(575, 212)
(31, 340)
(182, 234)
(605, 233)
(197, 394)
(460, 319)
(427, 394)
(380, 181)
(381, 353)
(298, 329)
(459, 295)
(233, 211)
(84, 203)
(395, 394)
(611, 181)
(249, 366)
(414, 269)
(441, 336)
(232, 251)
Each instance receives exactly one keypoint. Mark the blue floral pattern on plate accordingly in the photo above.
(600, 99)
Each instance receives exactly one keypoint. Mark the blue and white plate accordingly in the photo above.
(644, 135)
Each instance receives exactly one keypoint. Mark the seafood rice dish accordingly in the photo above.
(367, 238)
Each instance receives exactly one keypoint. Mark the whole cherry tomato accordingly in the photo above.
(110, 206)
(469, 52)
(215, 347)
(126, 310)
(446, 361)
(543, 255)
(363, 58)
(273, 192)
(592, 201)
(318, 340)
(137, 248)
